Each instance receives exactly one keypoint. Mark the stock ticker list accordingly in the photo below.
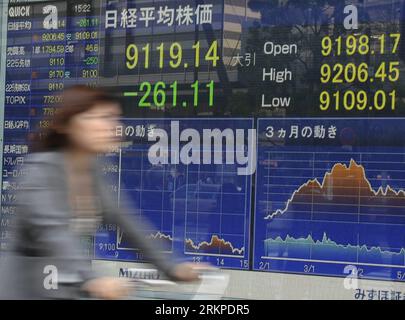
(49, 47)
(321, 84)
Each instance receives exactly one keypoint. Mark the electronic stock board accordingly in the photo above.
(305, 97)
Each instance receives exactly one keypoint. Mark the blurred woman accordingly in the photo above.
(63, 199)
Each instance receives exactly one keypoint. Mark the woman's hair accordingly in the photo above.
(74, 100)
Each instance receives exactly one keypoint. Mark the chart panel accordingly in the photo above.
(198, 211)
(330, 194)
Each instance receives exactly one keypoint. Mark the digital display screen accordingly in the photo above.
(314, 89)
(198, 211)
(330, 197)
